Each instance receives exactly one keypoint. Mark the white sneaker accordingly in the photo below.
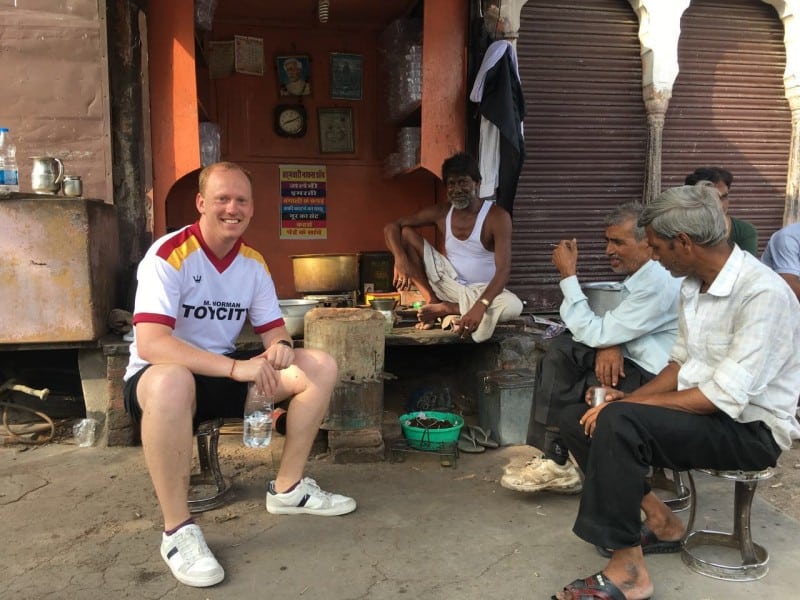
(543, 474)
(189, 558)
(307, 498)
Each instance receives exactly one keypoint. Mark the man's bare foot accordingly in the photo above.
(599, 585)
(428, 313)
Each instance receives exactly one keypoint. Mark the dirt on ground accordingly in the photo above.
(783, 490)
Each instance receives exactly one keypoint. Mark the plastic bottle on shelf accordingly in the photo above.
(257, 431)
(9, 173)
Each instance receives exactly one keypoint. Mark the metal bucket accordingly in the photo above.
(603, 295)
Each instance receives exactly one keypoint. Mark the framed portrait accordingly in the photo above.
(346, 76)
(336, 133)
(294, 75)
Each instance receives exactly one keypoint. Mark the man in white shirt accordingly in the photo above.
(624, 347)
(196, 288)
(724, 401)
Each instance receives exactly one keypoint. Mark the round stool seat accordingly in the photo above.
(754, 557)
(208, 487)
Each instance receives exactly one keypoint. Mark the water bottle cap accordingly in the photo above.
(3, 129)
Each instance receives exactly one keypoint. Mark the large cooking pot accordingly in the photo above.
(603, 295)
(316, 273)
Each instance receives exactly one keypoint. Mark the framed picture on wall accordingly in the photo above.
(336, 130)
(294, 75)
(346, 76)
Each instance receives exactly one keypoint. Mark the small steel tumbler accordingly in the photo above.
(598, 396)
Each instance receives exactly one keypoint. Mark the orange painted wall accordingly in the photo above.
(173, 98)
(359, 199)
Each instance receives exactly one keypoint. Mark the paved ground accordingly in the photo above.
(83, 523)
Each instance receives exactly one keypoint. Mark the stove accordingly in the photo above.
(334, 299)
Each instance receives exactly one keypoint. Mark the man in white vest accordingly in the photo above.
(467, 283)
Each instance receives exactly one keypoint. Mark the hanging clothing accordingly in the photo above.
(498, 91)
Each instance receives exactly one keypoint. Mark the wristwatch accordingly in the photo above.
(485, 302)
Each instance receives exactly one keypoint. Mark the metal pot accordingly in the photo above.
(315, 273)
(46, 174)
(603, 295)
(294, 314)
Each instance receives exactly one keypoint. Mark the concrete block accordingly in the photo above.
(358, 455)
(358, 438)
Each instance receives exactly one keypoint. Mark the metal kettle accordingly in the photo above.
(47, 174)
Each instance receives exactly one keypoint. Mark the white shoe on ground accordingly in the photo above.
(307, 498)
(189, 558)
(543, 474)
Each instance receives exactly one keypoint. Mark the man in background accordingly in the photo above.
(739, 232)
(782, 255)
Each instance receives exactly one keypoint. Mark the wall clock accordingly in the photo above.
(291, 120)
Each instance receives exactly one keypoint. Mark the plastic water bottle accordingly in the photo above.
(257, 418)
(9, 173)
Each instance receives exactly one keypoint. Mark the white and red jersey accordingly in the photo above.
(205, 299)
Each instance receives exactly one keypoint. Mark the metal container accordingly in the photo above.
(46, 174)
(598, 396)
(315, 273)
(72, 186)
(294, 315)
(603, 295)
(505, 402)
(376, 270)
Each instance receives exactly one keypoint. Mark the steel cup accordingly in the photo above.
(598, 396)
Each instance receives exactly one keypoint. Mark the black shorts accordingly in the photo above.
(217, 397)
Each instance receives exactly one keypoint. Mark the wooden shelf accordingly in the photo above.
(441, 114)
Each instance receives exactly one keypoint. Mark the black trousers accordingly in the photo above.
(564, 374)
(629, 439)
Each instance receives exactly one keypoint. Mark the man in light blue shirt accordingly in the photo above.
(782, 255)
(623, 348)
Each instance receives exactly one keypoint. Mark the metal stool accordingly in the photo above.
(208, 487)
(753, 564)
(683, 494)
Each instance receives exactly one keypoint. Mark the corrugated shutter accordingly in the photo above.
(585, 137)
(729, 109)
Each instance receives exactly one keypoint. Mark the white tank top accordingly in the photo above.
(472, 262)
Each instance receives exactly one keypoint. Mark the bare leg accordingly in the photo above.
(310, 382)
(166, 395)
(627, 569)
(660, 519)
(414, 248)
(430, 312)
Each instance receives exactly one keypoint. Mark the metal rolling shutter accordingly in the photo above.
(585, 138)
(728, 106)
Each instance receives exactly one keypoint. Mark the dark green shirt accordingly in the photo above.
(744, 235)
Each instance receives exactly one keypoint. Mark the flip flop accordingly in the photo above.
(483, 437)
(468, 443)
(595, 586)
(650, 544)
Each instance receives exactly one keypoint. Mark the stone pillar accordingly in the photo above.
(356, 339)
(656, 106)
(791, 210)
